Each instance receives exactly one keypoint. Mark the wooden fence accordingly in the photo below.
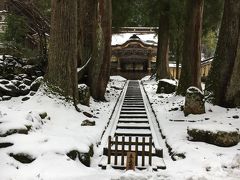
(119, 147)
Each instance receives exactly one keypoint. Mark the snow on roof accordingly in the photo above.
(118, 39)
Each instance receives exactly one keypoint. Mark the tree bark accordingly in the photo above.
(100, 65)
(80, 10)
(162, 64)
(223, 73)
(62, 66)
(89, 18)
(191, 62)
(87, 21)
(178, 58)
(233, 89)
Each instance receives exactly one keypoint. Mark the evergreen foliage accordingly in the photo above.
(16, 29)
(44, 6)
(14, 38)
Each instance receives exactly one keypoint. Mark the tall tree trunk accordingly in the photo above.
(191, 62)
(80, 10)
(62, 66)
(99, 73)
(233, 90)
(178, 58)
(162, 69)
(223, 72)
(88, 18)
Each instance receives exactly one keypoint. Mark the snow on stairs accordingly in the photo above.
(132, 134)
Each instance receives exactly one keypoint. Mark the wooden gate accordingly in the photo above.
(119, 146)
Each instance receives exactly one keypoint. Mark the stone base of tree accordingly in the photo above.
(194, 102)
(166, 86)
(223, 138)
(84, 94)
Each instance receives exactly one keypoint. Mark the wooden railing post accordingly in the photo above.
(123, 144)
(109, 149)
(136, 149)
(143, 151)
(150, 151)
(116, 151)
(130, 144)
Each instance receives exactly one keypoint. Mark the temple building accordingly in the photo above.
(134, 56)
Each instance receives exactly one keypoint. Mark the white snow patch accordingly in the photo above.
(132, 175)
(213, 127)
(82, 86)
(192, 88)
(203, 161)
(50, 139)
(117, 78)
(170, 81)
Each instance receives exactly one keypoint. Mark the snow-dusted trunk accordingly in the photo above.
(162, 68)
(223, 80)
(100, 64)
(62, 66)
(191, 61)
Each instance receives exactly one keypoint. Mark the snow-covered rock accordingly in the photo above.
(84, 94)
(166, 86)
(220, 135)
(194, 101)
(36, 84)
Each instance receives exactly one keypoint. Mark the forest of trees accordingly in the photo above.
(81, 35)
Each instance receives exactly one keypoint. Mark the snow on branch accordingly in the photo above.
(85, 65)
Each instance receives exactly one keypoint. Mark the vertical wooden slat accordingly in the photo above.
(130, 144)
(123, 144)
(109, 149)
(143, 151)
(136, 149)
(150, 151)
(116, 150)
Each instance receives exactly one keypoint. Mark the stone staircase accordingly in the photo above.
(133, 133)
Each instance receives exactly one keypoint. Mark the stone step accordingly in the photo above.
(133, 112)
(133, 116)
(130, 132)
(133, 126)
(133, 109)
(138, 104)
(133, 100)
(133, 106)
(133, 120)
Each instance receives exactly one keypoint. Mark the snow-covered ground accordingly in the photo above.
(51, 138)
(203, 161)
